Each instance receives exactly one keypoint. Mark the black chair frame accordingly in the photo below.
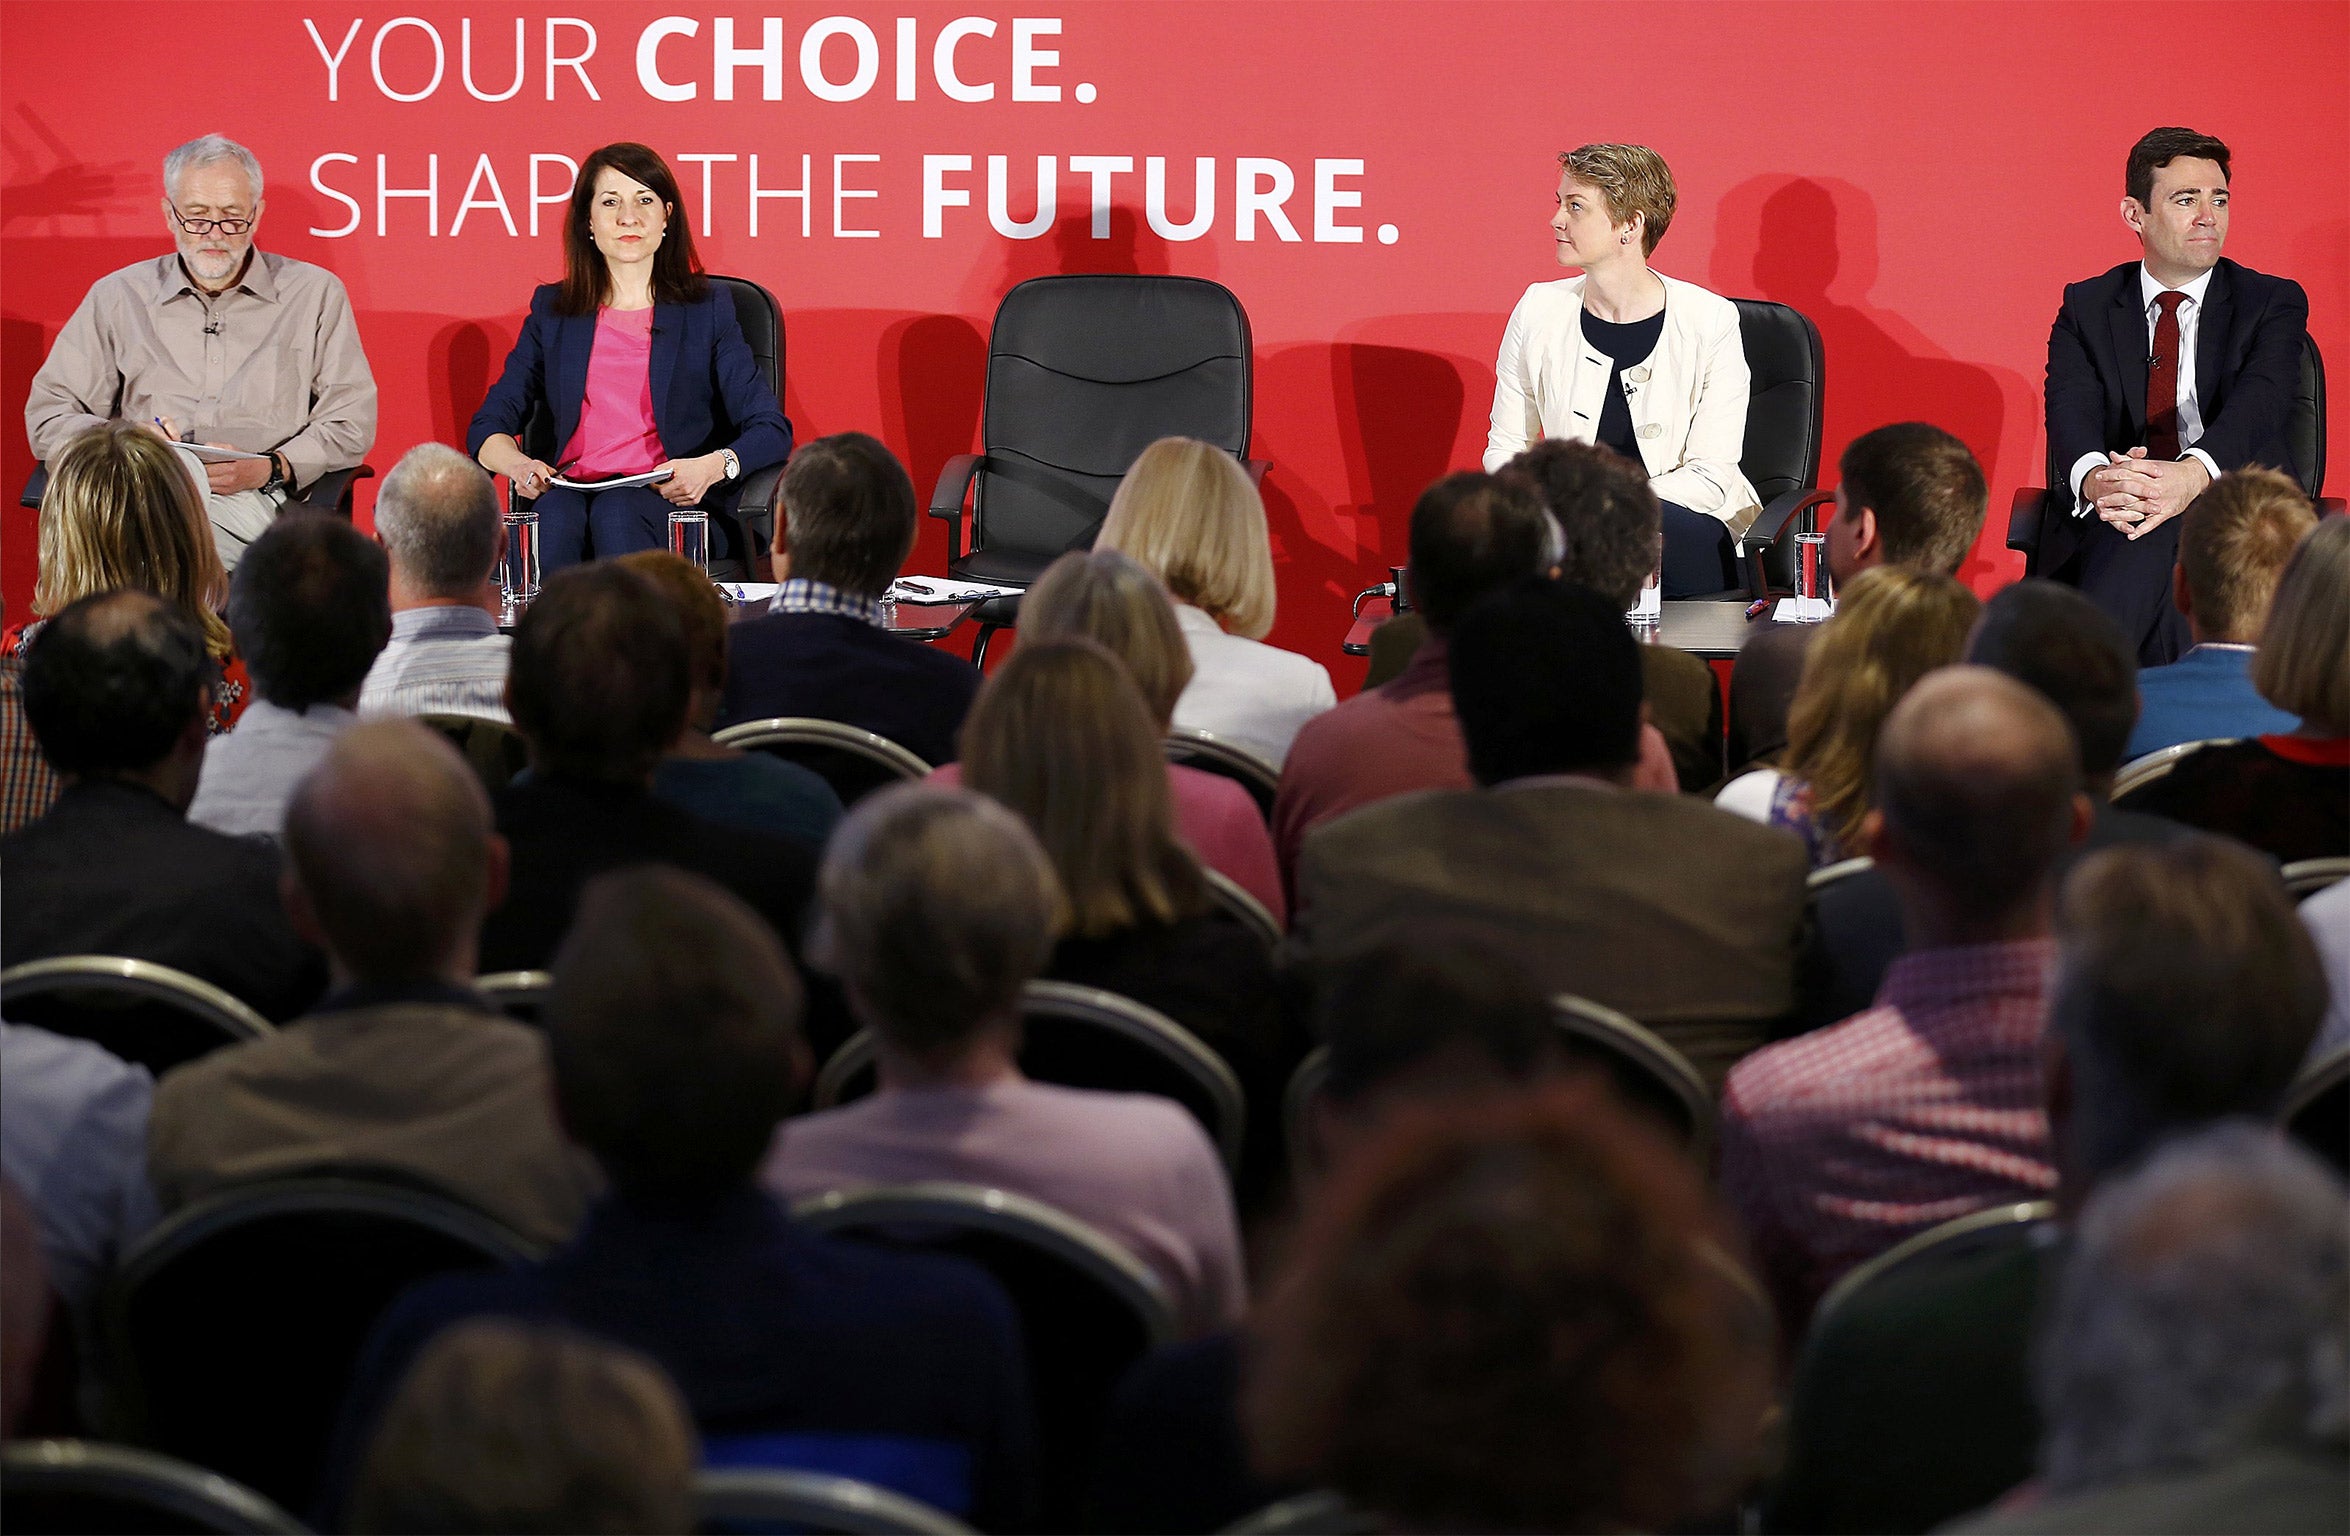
(120, 1474)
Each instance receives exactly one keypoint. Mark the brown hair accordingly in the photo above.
(677, 271)
(2303, 666)
(849, 515)
(703, 612)
(600, 676)
(1513, 1314)
(1634, 179)
(1893, 625)
(2233, 544)
(122, 510)
(1113, 600)
(1061, 735)
(1925, 489)
(2158, 149)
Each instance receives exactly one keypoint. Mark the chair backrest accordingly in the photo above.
(771, 1498)
(145, 1013)
(2306, 877)
(1320, 1513)
(1835, 874)
(1084, 1037)
(72, 1486)
(2305, 424)
(1787, 372)
(1084, 371)
(1997, 1226)
(2317, 1111)
(1211, 753)
(494, 750)
(1648, 1073)
(232, 1329)
(520, 995)
(1088, 1308)
(854, 762)
(2139, 772)
(1236, 903)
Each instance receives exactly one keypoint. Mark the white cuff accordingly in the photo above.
(2203, 458)
(2081, 468)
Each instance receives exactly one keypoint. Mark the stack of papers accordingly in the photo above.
(938, 589)
(1803, 610)
(611, 483)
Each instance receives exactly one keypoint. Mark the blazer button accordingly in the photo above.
(1653, 429)
(1637, 375)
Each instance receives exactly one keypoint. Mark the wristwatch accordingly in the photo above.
(734, 466)
(280, 476)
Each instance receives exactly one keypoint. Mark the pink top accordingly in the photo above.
(1219, 820)
(616, 433)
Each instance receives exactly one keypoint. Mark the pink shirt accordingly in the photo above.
(1219, 820)
(616, 433)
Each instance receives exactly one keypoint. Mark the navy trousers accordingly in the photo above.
(596, 525)
(2131, 580)
(1700, 556)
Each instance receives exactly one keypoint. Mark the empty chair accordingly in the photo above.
(68, 1487)
(232, 1330)
(1088, 1308)
(1210, 753)
(767, 1499)
(145, 1013)
(1647, 1072)
(854, 762)
(2317, 1111)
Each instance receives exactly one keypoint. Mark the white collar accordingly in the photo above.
(2149, 289)
(1196, 621)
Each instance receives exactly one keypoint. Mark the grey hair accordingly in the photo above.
(209, 150)
(2200, 1315)
(438, 516)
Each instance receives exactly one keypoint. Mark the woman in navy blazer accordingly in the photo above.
(643, 366)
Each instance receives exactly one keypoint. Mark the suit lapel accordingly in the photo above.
(668, 339)
(2211, 341)
(2131, 351)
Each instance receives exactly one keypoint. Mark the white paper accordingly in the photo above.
(937, 589)
(749, 593)
(211, 455)
(649, 477)
(1804, 610)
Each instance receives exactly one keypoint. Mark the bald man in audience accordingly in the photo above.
(1840, 1143)
(403, 1065)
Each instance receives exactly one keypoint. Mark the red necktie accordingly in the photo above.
(2162, 380)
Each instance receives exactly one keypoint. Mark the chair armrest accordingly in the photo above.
(2023, 518)
(2332, 506)
(954, 483)
(1256, 471)
(1765, 531)
(35, 487)
(331, 492)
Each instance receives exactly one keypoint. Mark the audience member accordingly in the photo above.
(937, 908)
(2054, 640)
(309, 610)
(2182, 996)
(403, 1065)
(1471, 534)
(1513, 1316)
(2327, 917)
(673, 1029)
(823, 650)
(1061, 736)
(1681, 915)
(119, 688)
(505, 1428)
(1892, 626)
(28, 785)
(600, 684)
(73, 1140)
(1912, 495)
(256, 347)
(1189, 513)
(120, 512)
(2193, 1370)
(1440, 1016)
(1839, 1144)
(2286, 793)
(437, 515)
(726, 784)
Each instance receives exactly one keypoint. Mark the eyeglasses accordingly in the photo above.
(208, 226)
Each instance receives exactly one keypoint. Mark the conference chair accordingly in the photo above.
(1088, 1308)
(148, 1014)
(753, 520)
(2000, 1226)
(2304, 878)
(1236, 903)
(330, 493)
(71, 1487)
(2317, 1110)
(1210, 753)
(1084, 1037)
(2139, 772)
(854, 762)
(1786, 396)
(1320, 1513)
(1084, 371)
(774, 1499)
(2305, 438)
(231, 1331)
(520, 995)
(1646, 1071)
(494, 750)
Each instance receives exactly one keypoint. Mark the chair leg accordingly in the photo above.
(979, 650)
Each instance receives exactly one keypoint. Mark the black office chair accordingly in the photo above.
(231, 1330)
(1211, 753)
(146, 1013)
(854, 762)
(2317, 1110)
(752, 531)
(729, 1499)
(2305, 438)
(1088, 1308)
(72, 1487)
(330, 493)
(1085, 371)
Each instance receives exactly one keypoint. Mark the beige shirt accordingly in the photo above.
(272, 364)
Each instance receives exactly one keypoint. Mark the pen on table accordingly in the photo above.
(1757, 606)
(922, 587)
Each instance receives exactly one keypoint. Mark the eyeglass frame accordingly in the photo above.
(209, 226)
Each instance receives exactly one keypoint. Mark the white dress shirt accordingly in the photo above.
(73, 1138)
(2190, 409)
(251, 773)
(1252, 694)
(442, 660)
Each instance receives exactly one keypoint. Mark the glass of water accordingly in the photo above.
(689, 535)
(1812, 578)
(518, 573)
(1648, 609)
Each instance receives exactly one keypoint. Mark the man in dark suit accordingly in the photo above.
(823, 650)
(2162, 374)
(1658, 905)
(118, 689)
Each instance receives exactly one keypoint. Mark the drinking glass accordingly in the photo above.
(689, 535)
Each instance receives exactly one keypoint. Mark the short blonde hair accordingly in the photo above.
(121, 510)
(1634, 179)
(1190, 514)
(2303, 666)
(689, 590)
(1110, 599)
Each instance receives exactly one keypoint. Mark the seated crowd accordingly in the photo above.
(1917, 949)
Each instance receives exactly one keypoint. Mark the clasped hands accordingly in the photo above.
(2138, 495)
(227, 477)
(689, 479)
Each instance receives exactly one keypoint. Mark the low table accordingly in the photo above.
(1715, 631)
(915, 621)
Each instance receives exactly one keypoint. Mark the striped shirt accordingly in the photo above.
(800, 595)
(447, 660)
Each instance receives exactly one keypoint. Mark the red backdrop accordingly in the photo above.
(1919, 179)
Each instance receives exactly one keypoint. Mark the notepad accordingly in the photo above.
(1804, 610)
(211, 455)
(611, 483)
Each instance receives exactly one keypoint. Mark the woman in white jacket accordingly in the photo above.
(1629, 358)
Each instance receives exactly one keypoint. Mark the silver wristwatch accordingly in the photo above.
(734, 466)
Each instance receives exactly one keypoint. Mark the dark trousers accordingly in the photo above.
(2131, 580)
(583, 525)
(1700, 556)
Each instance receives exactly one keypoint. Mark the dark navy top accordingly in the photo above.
(1629, 345)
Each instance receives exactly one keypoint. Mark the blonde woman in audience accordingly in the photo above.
(1189, 513)
(1892, 627)
(122, 511)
